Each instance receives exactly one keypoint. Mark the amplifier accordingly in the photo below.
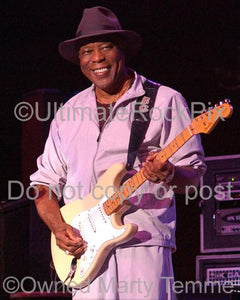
(221, 269)
(227, 221)
(220, 203)
(14, 241)
(227, 203)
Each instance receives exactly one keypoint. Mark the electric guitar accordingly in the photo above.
(97, 217)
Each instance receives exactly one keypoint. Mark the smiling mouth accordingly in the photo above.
(100, 70)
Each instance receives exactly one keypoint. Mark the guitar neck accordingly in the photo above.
(118, 199)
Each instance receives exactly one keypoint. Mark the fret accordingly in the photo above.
(187, 133)
(126, 191)
(129, 185)
(174, 146)
(161, 155)
(132, 184)
(183, 136)
(168, 151)
(139, 177)
(111, 204)
(190, 131)
(179, 140)
(135, 181)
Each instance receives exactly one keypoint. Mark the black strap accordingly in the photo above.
(141, 120)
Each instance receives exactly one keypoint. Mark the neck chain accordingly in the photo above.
(127, 84)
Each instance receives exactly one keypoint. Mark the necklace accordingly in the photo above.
(113, 98)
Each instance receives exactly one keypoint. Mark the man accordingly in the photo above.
(82, 146)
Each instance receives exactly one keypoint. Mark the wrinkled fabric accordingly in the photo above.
(76, 154)
(133, 273)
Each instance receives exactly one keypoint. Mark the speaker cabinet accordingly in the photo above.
(219, 268)
(220, 203)
(14, 241)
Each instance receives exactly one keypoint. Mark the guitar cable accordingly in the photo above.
(72, 271)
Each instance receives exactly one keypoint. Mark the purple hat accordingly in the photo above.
(98, 21)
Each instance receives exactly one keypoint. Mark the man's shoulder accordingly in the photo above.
(163, 90)
(169, 91)
(74, 105)
(168, 96)
(79, 97)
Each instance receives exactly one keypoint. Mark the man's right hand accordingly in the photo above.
(69, 240)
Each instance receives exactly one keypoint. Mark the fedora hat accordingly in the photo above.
(96, 22)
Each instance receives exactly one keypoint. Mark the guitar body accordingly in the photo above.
(101, 232)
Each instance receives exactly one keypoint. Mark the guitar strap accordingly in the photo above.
(142, 109)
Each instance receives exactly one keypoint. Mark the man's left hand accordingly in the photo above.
(156, 171)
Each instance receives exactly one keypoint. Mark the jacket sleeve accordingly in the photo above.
(51, 165)
(176, 118)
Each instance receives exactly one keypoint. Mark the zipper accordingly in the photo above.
(94, 159)
(110, 117)
(98, 144)
(112, 109)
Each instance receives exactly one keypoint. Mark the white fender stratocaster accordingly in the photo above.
(99, 222)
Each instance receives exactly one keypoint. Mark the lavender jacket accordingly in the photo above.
(76, 154)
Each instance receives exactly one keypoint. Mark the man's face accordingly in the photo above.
(103, 63)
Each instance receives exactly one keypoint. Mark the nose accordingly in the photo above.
(97, 56)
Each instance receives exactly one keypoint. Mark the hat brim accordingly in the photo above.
(68, 49)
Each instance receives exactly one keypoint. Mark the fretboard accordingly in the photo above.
(119, 198)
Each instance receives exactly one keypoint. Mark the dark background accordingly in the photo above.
(191, 46)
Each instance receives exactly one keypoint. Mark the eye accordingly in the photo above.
(107, 46)
(84, 52)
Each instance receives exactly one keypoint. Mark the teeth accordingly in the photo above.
(100, 70)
